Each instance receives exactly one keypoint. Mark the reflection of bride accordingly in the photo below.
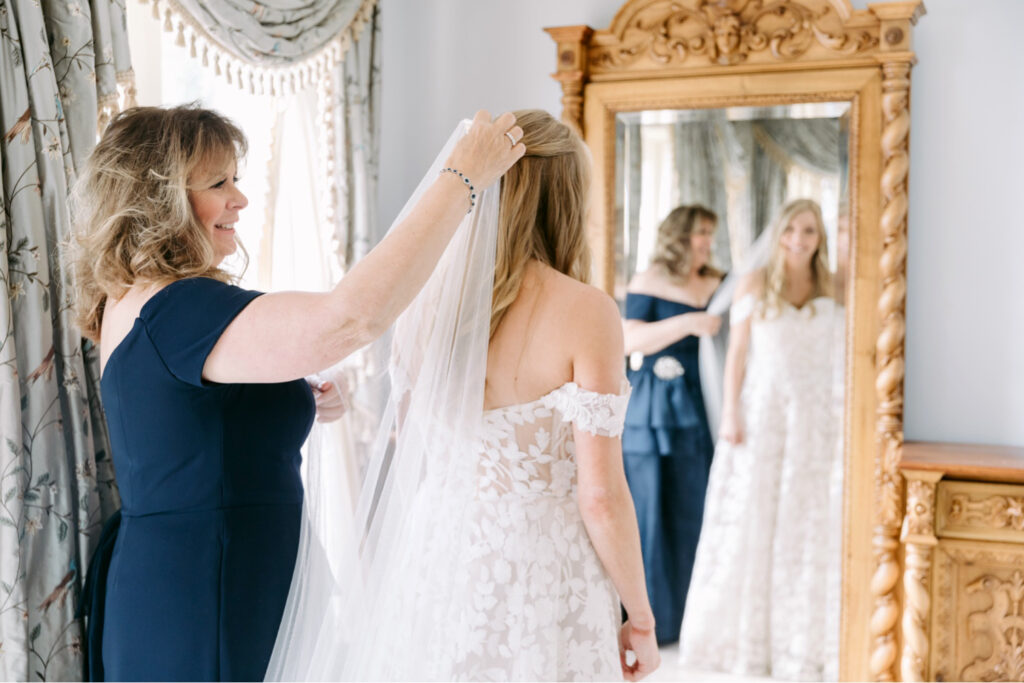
(495, 535)
(758, 602)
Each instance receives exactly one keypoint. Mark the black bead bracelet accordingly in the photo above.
(472, 190)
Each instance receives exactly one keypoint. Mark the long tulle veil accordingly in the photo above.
(371, 593)
(711, 353)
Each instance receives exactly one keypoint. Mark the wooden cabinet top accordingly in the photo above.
(966, 461)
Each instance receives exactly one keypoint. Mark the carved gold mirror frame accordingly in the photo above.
(698, 54)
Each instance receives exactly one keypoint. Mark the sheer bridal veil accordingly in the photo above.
(711, 353)
(371, 594)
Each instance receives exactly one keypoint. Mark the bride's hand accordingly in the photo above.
(731, 428)
(486, 152)
(644, 645)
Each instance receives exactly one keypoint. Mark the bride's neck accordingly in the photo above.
(799, 274)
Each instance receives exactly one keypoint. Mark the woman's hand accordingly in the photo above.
(731, 428)
(641, 643)
(486, 152)
(704, 324)
(332, 398)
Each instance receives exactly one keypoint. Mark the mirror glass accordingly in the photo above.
(733, 438)
(743, 163)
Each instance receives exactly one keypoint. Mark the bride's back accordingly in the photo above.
(541, 303)
(531, 352)
(543, 463)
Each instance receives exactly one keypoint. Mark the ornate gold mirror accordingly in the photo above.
(742, 106)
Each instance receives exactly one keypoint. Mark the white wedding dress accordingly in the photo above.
(466, 557)
(763, 598)
(535, 602)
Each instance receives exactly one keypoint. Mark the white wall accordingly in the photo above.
(965, 289)
(443, 59)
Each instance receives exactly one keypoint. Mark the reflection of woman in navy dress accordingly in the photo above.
(667, 444)
(202, 386)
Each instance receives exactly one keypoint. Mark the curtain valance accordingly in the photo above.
(269, 47)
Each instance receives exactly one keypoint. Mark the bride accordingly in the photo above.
(495, 534)
(759, 602)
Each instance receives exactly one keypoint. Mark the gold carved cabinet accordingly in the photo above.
(964, 569)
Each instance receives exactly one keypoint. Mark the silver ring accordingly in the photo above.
(511, 138)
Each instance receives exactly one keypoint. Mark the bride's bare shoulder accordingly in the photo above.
(580, 306)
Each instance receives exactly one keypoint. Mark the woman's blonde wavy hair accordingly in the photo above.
(131, 215)
(672, 247)
(775, 271)
(543, 208)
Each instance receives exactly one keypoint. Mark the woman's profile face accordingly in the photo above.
(217, 202)
(700, 243)
(800, 239)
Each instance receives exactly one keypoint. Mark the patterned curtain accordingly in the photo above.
(61, 65)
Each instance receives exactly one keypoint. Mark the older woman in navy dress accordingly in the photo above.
(667, 444)
(203, 389)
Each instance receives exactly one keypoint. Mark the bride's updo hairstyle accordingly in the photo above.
(775, 271)
(543, 208)
(132, 220)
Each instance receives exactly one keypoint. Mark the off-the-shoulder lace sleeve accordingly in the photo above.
(742, 309)
(599, 414)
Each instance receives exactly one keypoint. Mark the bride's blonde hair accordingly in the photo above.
(132, 219)
(775, 272)
(542, 209)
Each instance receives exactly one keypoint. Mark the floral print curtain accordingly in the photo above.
(64, 67)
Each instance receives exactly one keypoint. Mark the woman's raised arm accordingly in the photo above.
(284, 336)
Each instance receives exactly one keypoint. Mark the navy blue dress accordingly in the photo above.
(211, 500)
(667, 450)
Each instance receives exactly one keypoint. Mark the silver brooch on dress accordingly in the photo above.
(668, 367)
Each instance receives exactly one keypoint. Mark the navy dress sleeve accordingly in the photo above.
(186, 318)
(639, 307)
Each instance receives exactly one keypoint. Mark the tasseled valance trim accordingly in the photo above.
(258, 79)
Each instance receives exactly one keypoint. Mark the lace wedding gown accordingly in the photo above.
(533, 600)
(763, 599)
(467, 557)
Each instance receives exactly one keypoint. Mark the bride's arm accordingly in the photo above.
(731, 424)
(602, 492)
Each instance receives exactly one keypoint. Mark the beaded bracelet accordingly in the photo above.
(472, 190)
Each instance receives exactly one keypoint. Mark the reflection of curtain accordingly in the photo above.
(781, 143)
(767, 184)
(739, 169)
(701, 169)
(61, 64)
(813, 143)
(736, 146)
(629, 153)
